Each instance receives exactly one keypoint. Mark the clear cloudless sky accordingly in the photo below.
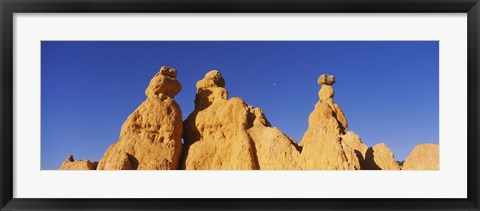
(387, 89)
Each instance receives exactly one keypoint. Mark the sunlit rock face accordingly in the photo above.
(355, 149)
(321, 143)
(228, 134)
(150, 138)
(379, 157)
(71, 164)
(423, 157)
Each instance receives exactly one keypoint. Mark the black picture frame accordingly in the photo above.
(9, 7)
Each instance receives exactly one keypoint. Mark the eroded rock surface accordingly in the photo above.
(228, 134)
(355, 149)
(379, 157)
(71, 164)
(423, 157)
(150, 138)
(321, 143)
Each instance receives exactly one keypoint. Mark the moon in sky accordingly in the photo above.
(274, 84)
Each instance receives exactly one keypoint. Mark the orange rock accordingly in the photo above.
(379, 157)
(72, 164)
(423, 157)
(355, 149)
(150, 138)
(321, 143)
(326, 95)
(275, 150)
(228, 134)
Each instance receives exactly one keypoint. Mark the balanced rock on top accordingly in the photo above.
(321, 143)
(150, 138)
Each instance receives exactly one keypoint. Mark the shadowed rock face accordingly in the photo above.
(355, 149)
(72, 164)
(321, 143)
(228, 134)
(379, 157)
(423, 157)
(150, 138)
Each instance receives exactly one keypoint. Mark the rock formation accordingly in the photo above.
(321, 143)
(423, 157)
(150, 138)
(228, 134)
(72, 164)
(379, 157)
(355, 149)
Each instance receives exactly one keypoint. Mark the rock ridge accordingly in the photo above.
(225, 133)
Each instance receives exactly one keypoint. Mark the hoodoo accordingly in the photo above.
(150, 138)
(379, 157)
(423, 157)
(228, 134)
(321, 143)
(72, 164)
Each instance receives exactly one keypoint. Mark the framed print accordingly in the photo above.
(259, 105)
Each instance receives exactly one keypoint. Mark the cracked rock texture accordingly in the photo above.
(379, 157)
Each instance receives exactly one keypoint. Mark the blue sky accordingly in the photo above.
(387, 89)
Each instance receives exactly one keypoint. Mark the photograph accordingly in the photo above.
(240, 105)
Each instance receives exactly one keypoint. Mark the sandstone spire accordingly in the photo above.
(326, 94)
(322, 148)
(72, 164)
(423, 157)
(150, 138)
(379, 157)
(228, 134)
